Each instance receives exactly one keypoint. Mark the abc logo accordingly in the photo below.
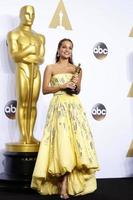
(100, 50)
(98, 112)
(10, 109)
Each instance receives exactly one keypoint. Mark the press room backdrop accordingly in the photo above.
(103, 44)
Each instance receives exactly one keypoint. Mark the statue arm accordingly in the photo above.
(38, 57)
(42, 50)
(14, 50)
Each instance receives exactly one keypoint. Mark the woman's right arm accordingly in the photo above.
(46, 88)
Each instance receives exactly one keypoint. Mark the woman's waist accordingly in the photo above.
(63, 92)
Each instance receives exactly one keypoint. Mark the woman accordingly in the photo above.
(66, 162)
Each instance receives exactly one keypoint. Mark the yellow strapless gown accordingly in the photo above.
(67, 146)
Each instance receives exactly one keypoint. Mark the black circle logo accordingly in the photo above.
(10, 109)
(100, 50)
(98, 112)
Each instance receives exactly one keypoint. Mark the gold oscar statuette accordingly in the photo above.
(27, 49)
(74, 91)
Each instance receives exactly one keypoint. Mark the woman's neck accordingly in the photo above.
(63, 62)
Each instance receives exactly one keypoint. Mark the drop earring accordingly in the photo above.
(58, 54)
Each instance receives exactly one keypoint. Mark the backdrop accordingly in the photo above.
(101, 33)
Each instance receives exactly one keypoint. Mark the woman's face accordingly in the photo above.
(65, 50)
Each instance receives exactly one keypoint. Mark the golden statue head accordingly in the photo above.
(27, 15)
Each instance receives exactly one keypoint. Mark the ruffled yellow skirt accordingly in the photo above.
(66, 147)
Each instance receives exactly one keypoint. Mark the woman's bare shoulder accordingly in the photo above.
(50, 67)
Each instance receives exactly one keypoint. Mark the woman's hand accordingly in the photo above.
(70, 85)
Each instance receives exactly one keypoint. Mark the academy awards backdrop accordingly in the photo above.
(102, 35)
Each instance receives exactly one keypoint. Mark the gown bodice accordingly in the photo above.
(60, 79)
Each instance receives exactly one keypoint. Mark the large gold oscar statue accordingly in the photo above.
(27, 49)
